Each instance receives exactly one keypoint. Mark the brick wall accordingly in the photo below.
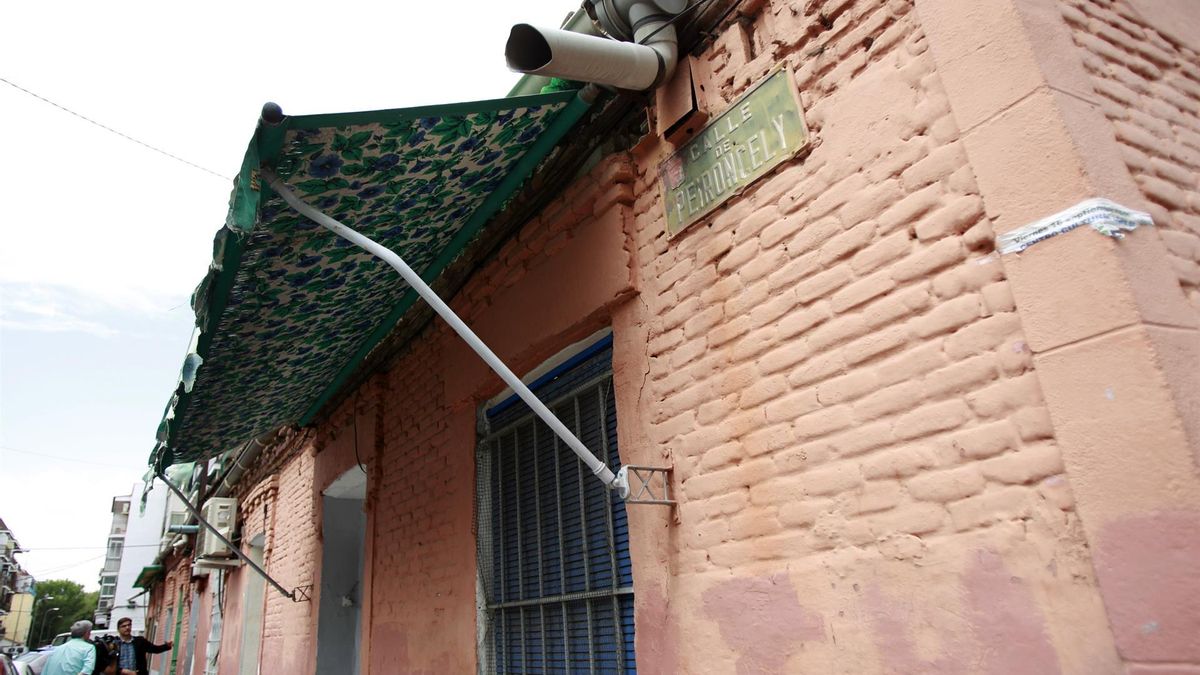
(552, 284)
(291, 555)
(840, 378)
(276, 501)
(867, 476)
(1143, 63)
(166, 608)
(423, 572)
(1148, 84)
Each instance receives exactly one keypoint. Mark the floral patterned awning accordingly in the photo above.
(288, 309)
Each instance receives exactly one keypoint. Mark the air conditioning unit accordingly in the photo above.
(221, 513)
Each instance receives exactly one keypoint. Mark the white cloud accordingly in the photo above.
(60, 308)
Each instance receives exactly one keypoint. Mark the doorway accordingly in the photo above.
(339, 623)
(252, 614)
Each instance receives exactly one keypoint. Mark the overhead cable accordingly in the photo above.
(113, 131)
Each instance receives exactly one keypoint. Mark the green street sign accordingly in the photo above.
(756, 133)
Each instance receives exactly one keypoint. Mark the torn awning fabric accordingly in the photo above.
(288, 309)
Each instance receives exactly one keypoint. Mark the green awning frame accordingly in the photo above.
(146, 578)
(288, 311)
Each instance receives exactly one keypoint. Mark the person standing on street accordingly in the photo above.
(76, 656)
(132, 651)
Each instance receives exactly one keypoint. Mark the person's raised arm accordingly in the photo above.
(158, 649)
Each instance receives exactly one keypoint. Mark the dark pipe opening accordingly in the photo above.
(526, 49)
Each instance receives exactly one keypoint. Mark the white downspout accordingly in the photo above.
(213, 649)
(642, 56)
(443, 310)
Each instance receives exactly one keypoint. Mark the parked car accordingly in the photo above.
(31, 663)
(96, 635)
(21, 668)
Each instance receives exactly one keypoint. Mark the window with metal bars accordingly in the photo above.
(553, 543)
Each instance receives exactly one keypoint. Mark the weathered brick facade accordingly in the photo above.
(1149, 87)
(887, 453)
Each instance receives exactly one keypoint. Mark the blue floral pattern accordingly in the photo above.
(304, 300)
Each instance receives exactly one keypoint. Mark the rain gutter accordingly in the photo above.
(245, 457)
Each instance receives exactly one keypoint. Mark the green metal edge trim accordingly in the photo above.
(399, 114)
(267, 143)
(146, 577)
(564, 122)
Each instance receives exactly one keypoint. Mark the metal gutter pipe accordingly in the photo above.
(249, 452)
(639, 65)
(443, 310)
(577, 21)
(215, 627)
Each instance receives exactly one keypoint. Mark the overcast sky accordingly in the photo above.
(102, 240)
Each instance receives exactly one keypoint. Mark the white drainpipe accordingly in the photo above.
(212, 651)
(640, 54)
(443, 310)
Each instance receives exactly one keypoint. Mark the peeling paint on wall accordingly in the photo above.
(1149, 570)
(762, 619)
(1006, 620)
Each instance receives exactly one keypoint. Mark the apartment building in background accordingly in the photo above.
(16, 593)
(137, 534)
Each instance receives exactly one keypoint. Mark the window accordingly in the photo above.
(108, 586)
(115, 546)
(553, 543)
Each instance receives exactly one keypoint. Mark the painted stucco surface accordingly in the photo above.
(843, 384)
(1119, 376)
(1147, 81)
(1145, 69)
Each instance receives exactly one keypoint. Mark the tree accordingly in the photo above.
(72, 605)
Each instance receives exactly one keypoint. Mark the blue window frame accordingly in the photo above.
(553, 543)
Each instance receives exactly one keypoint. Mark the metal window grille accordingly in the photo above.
(553, 544)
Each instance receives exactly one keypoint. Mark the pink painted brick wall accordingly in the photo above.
(1148, 84)
(836, 368)
(867, 476)
(423, 578)
(866, 470)
(422, 499)
(282, 508)
(165, 607)
(291, 555)
(1144, 63)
